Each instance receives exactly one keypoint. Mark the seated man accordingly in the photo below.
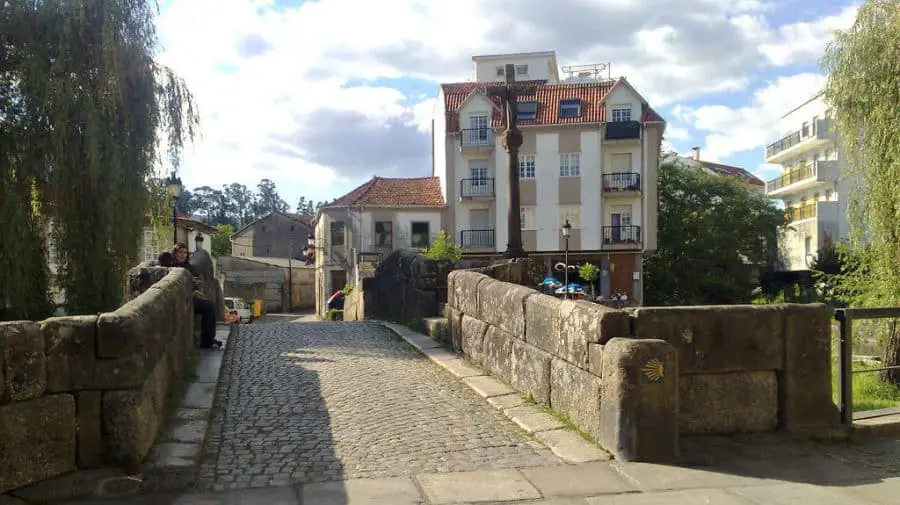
(165, 259)
(205, 308)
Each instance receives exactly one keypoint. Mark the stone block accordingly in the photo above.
(89, 412)
(576, 393)
(503, 305)
(131, 419)
(542, 322)
(531, 370)
(806, 401)
(454, 328)
(24, 361)
(464, 293)
(472, 337)
(37, 440)
(497, 357)
(78, 485)
(718, 338)
(583, 323)
(639, 411)
(738, 402)
(71, 361)
(438, 328)
(119, 333)
(595, 359)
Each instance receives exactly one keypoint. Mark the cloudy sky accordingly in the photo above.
(321, 95)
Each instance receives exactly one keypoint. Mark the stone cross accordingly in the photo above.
(512, 141)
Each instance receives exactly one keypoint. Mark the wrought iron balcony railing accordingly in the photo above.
(622, 234)
(478, 186)
(622, 181)
(476, 238)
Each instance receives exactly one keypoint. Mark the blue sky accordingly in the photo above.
(319, 96)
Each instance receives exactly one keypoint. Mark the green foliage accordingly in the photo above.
(221, 240)
(83, 102)
(589, 273)
(442, 248)
(712, 230)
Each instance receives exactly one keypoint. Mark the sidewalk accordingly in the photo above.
(585, 484)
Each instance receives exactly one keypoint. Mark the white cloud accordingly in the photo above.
(805, 41)
(295, 93)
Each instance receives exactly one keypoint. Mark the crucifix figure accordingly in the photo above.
(512, 141)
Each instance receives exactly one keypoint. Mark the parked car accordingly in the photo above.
(239, 309)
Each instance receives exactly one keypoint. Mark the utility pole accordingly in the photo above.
(290, 276)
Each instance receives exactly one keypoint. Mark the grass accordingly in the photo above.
(869, 392)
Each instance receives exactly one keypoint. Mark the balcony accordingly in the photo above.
(802, 177)
(807, 211)
(622, 183)
(476, 239)
(623, 130)
(817, 134)
(479, 187)
(621, 237)
(476, 140)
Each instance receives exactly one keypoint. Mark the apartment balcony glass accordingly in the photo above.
(623, 130)
(810, 136)
(802, 176)
(476, 238)
(479, 187)
(617, 235)
(476, 138)
(806, 211)
(621, 181)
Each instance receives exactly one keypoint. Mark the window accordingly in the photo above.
(501, 71)
(828, 195)
(570, 164)
(522, 70)
(420, 235)
(526, 111)
(570, 107)
(805, 129)
(807, 245)
(384, 234)
(479, 175)
(337, 233)
(572, 213)
(526, 166)
(527, 218)
(621, 113)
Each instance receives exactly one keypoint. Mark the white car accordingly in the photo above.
(239, 308)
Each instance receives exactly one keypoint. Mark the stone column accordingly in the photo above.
(639, 404)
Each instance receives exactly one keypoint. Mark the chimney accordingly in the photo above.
(696, 150)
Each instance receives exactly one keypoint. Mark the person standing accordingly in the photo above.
(205, 308)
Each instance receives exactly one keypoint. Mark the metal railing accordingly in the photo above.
(795, 174)
(476, 238)
(622, 181)
(846, 317)
(476, 137)
(786, 142)
(479, 186)
(621, 234)
(802, 212)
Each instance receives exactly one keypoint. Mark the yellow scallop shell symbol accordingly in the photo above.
(654, 370)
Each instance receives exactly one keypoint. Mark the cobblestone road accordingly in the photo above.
(311, 402)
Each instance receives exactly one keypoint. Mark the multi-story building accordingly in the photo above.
(274, 235)
(590, 156)
(752, 182)
(810, 183)
(369, 222)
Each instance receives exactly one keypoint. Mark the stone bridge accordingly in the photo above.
(514, 396)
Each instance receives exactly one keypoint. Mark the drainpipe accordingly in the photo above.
(640, 267)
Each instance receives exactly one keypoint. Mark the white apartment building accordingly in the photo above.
(810, 183)
(590, 156)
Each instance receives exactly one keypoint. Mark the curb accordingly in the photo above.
(565, 443)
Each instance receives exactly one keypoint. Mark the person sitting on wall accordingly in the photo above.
(166, 259)
(205, 308)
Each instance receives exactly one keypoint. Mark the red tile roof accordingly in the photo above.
(385, 192)
(591, 95)
(733, 171)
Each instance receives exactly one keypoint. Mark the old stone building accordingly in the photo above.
(275, 235)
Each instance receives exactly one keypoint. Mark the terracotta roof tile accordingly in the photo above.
(733, 171)
(548, 96)
(386, 192)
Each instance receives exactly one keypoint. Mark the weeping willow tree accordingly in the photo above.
(85, 111)
(863, 89)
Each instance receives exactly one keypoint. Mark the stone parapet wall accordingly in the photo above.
(84, 392)
(737, 368)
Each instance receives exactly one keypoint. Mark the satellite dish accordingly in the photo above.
(559, 267)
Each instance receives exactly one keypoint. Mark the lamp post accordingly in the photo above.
(198, 241)
(310, 249)
(174, 190)
(566, 229)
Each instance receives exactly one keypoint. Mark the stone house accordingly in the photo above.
(590, 156)
(369, 222)
(191, 232)
(274, 235)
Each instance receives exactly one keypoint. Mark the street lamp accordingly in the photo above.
(174, 190)
(310, 249)
(198, 241)
(566, 229)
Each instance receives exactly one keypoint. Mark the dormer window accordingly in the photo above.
(570, 107)
(621, 112)
(526, 111)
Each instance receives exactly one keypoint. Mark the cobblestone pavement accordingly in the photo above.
(312, 402)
